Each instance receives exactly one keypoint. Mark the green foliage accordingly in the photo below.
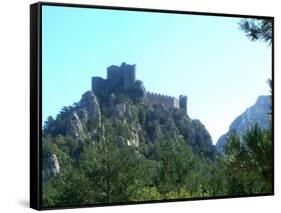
(50, 147)
(257, 29)
(175, 158)
(74, 188)
(181, 194)
(120, 128)
(110, 169)
(145, 193)
(248, 162)
(49, 194)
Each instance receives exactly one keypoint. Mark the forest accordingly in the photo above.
(102, 161)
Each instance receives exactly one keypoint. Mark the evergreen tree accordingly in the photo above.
(111, 170)
(257, 29)
(248, 161)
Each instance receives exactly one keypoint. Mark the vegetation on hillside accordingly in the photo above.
(173, 157)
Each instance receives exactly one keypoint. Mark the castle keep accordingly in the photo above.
(125, 75)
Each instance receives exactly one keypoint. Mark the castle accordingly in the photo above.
(125, 75)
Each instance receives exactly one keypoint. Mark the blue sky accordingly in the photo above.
(206, 58)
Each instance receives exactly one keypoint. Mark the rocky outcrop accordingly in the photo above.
(256, 114)
(89, 102)
(74, 127)
(51, 166)
(173, 123)
(123, 112)
(85, 116)
(134, 135)
(132, 140)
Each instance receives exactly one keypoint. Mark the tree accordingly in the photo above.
(248, 161)
(112, 170)
(145, 193)
(74, 188)
(257, 29)
(49, 122)
(176, 162)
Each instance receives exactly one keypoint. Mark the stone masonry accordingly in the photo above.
(126, 75)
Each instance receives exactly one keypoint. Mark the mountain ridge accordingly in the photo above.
(255, 114)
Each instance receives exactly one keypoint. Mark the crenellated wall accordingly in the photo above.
(167, 101)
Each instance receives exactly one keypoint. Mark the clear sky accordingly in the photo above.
(206, 58)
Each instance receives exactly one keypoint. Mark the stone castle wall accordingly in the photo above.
(125, 75)
(97, 83)
(167, 101)
(183, 102)
(129, 72)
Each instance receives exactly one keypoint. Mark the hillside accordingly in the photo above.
(157, 147)
(119, 144)
(142, 126)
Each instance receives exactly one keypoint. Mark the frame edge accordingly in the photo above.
(35, 55)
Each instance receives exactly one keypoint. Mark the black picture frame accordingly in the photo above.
(36, 99)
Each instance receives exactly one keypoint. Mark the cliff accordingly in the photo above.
(256, 114)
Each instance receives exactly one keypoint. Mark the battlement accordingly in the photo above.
(166, 100)
(155, 98)
(125, 76)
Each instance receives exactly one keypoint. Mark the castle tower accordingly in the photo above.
(129, 72)
(97, 84)
(183, 102)
(114, 74)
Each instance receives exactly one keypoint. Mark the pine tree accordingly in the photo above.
(257, 29)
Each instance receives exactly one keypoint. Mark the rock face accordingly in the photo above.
(256, 114)
(90, 103)
(74, 127)
(51, 166)
(78, 120)
(173, 123)
(123, 112)
(134, 135)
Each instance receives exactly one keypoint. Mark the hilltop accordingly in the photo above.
(146, 141)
